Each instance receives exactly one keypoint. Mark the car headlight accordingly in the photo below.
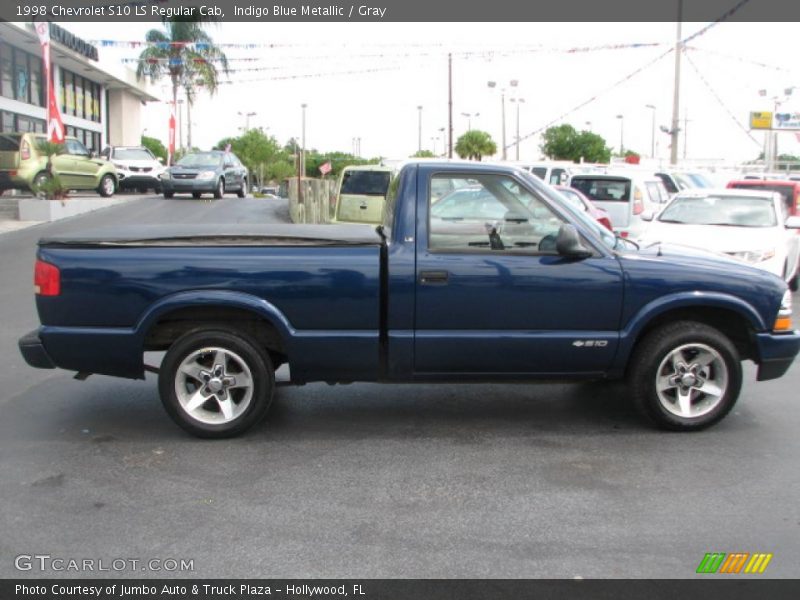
(755, 256)
(165, 175)
(206, 175)
(119, 166)
(783, 322)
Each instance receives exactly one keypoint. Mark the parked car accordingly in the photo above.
(583, 203)
(137, 167)
(24, 166)
(675, 181)
(625, 196)
(215, 172)
(789, 190)
(550, 172)
(546, 293)
(361, 194)
(753, 226)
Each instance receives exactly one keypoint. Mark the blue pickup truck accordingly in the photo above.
(497, 280)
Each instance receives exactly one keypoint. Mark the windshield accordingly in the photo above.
(365, 183)
(132, 154)
(736, 211)
(201, 160)
(700, 180)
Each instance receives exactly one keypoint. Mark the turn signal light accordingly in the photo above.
(783, 324)
(46, 279)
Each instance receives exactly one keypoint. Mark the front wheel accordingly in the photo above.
(220, 189)
(169, 195)
(107, 186)
(685, 376)
(242, 190)
(216, 384)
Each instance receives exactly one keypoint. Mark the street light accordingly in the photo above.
(653, 131)
(493, 84)
(246, 116)
(419, 128)
(469, 118)
(517, 101)
(621, 134)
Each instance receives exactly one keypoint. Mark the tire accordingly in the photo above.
(38, 181)
(702, 357)
(196, 195)
(231, 402)
(219, 192)
(242, 190)
(169, 195)
(107, 187)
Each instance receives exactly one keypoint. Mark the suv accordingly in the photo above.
(136, 166)
(24, 166)
(625, 196)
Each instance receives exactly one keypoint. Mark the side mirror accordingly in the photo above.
(792, 223)
(568, 243)
(92, 154)
(648, 215)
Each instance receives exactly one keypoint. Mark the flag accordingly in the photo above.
(171, 142)
(55, 126)
(325, 168)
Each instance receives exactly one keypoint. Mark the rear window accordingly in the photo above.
(603, 189)
(9, 143)
(786, 191)
(540, 172)
(365, 183)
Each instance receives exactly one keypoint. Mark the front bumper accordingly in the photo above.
(188, 185)
(134, 180)
(33, 351)
(776, 351)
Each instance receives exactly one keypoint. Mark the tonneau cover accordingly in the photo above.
(233, 234)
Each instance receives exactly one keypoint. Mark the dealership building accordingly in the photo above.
(101, 104)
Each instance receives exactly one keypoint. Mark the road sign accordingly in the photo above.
(760, 120)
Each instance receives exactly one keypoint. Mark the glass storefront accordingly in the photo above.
(79, 96)
(21, 75)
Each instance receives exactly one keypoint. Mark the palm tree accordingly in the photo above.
(186, 54)
(475, 145)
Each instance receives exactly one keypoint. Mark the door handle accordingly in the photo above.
(433, 277)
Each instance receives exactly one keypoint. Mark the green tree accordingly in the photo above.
(49, 185)
(155, 146)
(186, 54)
(564, 142)
(256, 150)
(475, 144)
(423, 154)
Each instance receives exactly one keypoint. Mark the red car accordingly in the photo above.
(580, 201)
(789, 191)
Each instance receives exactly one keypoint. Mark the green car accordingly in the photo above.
(24, 166)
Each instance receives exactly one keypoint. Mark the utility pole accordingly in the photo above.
(419, 128)
(449, 105)
(676, 96)
(303, 151)
(652, 130)
(685, 131)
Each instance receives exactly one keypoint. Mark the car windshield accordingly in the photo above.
(365, 183)
(132, 154)
(201, 160)
(700, 180)
(735, 211)
(573, 199)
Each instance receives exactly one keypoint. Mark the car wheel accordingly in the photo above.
(216, 384)
(196, 195)
(107, 186)
(168, 195)
(685, 376)
(40, 181)
(242, 190)
(220, 191)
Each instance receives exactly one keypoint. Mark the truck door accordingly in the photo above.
(493, 297)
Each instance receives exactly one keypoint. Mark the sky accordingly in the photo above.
(366, 80)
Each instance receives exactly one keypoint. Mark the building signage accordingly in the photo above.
(787, 121)
(760, 120)
(73, 42)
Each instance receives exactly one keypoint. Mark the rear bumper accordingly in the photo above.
(776, 353)
(32, 349)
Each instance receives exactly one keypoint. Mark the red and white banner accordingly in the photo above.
(171, 143)
(55, 126)
(325, 168)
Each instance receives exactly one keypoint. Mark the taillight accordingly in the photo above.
(638, 203)
(46, 279)
(25, 150)
(605, 223)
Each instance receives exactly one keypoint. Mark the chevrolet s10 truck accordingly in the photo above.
(507, 284)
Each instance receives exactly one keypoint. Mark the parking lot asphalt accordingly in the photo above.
(548, 480)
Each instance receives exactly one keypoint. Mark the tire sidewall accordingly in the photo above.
(257, 360)
(102, 189)
(652, 351)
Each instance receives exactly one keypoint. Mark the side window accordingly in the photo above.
(653, 192)
(557, 176)
(493, 213)
(76, 148)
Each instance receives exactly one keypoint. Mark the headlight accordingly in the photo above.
(755, 256)
(119, 166)
(783, 321)
(206, 175)
(165, 175)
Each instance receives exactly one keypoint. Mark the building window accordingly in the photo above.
(37, 83)
(8, 122)
(21, 76)
(6, 71)
(78, 96)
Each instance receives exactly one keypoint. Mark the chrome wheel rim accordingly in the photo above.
(221, 187)
(108, 185)
(691, 380)
(214, 385)
(37, 185)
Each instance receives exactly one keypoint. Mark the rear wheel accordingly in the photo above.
(242, 190)
(107, 186)
(220, 190)
(39, 182)
(685, 376)
(169, 195)
(216, 384)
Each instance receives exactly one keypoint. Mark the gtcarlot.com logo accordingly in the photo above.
(734, 563)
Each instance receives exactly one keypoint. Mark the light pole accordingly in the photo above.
(246, 116)
(419, 128)
(517, 101)
(469, 118)
(493, 84)
(653, 131)
(621, 134)
(303, 150)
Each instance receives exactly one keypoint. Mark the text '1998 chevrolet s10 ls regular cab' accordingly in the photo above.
(497, 279)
